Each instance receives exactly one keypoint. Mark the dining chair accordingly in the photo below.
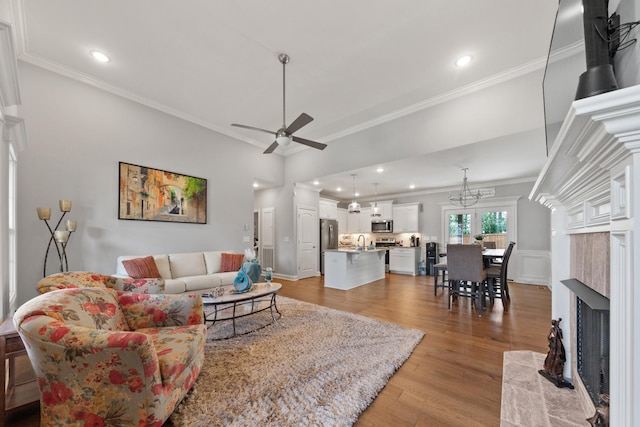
(497, 284)
(489, 245)
(439, 269)
(467, 276)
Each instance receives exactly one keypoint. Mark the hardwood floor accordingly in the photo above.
(454, 376)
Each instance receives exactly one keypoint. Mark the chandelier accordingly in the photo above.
(375, 211)
(354, 206)
(465, 197)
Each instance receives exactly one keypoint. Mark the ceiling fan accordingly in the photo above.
(284, 135)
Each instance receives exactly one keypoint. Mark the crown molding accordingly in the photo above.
(24, 55)
(15, 131)
(496, 79)
(9, 83)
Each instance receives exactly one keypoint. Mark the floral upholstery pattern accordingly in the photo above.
(86, 279)
(106, 357)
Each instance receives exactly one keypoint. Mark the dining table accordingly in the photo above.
(488, 255)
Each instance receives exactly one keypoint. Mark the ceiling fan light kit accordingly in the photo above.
(284, 135)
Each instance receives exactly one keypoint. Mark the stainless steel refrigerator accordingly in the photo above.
(328, 238)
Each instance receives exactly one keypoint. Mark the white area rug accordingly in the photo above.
(315, 366)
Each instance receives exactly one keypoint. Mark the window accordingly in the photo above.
(496, 220)
(12, 231)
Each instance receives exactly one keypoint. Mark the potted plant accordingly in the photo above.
(479, 238)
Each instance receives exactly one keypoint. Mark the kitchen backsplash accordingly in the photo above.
(402, 239)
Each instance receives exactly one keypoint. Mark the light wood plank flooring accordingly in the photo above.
(454, 376)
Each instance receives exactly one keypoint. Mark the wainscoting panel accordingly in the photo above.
(527, 266)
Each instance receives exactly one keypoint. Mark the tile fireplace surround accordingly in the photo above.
(591, 183)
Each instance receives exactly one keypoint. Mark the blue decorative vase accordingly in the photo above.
(248, 274)
(253, 270)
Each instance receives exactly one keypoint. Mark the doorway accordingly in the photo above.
(496, 221)
(307, 238)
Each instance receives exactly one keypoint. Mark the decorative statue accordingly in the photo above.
(249, 273)
(601, 417)
(556, 357)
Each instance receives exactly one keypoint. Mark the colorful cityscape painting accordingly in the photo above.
(148, 194)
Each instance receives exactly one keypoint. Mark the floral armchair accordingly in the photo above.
(85, 279)
(105, 357)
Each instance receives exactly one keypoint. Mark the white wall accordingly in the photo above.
(77, 135)
(627, 61)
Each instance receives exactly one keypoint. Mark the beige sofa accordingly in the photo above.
(187, 272)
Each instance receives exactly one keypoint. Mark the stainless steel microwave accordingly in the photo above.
(382, 226)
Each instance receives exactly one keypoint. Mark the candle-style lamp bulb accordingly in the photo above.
(44, 213)
(65, 205)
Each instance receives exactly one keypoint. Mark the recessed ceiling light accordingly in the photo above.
(316, 182)
(380, 169)
(357, 194)
(256, 185)
(99, 56)
(339, 189)
(463, 60)
(412, 186)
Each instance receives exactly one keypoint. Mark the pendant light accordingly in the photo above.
(354, 207)
(465, 197)
(375, 211)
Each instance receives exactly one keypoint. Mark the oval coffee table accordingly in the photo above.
(234, 305)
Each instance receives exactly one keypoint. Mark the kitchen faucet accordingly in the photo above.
(364, 241)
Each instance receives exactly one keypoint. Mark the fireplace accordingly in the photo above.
(590, 183)
(592, 349)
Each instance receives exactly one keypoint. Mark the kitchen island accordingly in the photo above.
(349, 268)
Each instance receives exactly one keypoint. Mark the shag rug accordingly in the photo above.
(314, 366)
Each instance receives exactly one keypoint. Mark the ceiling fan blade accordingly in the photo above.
(253, 128)
(271, 148)
(318, 145)
(302, 120)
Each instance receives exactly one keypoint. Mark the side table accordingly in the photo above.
(13, 395)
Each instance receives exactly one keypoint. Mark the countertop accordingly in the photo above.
(353, 250)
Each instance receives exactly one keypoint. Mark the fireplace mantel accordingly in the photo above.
(591, 181)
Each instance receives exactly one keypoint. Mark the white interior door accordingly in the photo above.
(307, 229)
(267, 237)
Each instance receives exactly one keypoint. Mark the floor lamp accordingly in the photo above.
(59, 238)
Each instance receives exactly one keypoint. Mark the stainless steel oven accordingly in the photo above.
(386, 242)
(382, 226)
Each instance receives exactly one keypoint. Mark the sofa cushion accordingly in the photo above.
(141, 268)
(187, 264)
(174, 286)
(213, 261)
(162, 261)
(198, 283)
(231, 262)
(227, 278)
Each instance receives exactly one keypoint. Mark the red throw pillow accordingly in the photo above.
(231, 262)
(142, 268)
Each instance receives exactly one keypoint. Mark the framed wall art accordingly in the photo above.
(148, 194)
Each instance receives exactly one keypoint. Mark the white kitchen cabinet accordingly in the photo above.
(359, 222)
(365, 221)
(404, 260)
(342, 221)
(406, 218)
(353, 222)
(328, 209)
(385, 208)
